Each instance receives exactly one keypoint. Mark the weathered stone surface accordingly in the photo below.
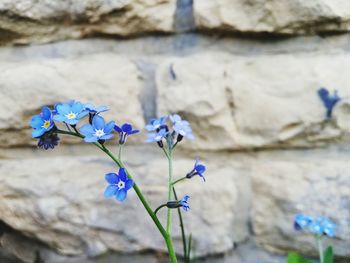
(282, 17)
(44, 20)
(236, 102)
(59, 201)
(314, 183)
(101, 79)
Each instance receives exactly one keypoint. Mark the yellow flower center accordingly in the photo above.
(46, 124)
(71, 115)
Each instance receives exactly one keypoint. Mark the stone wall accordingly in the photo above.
(244, 73)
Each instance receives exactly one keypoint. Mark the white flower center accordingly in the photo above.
(99, 133)
(71, 115)
(121, 185)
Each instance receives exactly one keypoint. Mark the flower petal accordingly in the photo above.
(112, 178)
(121, 195)
(98, 122)
(109, 127)
(87, 129)
(122, 174)
(63, 109)
(59, 118)
(38, 132)
(126, 127)
(110, 191)
(128, 184)
(77, 107)
(106, 136)
(117, 128)
(36, 121)
(46, 113)
(90, 139)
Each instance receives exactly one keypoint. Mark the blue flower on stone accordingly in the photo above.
(42, 123)
(157, 136)
(183, 129)
(93, 109)
(124, 131)
(70, 112)
(197, 169)
(329, 101)
(302, 222)
(98, 130)
(318, 226)
(119, 184)
(157, 124)
(184, 203)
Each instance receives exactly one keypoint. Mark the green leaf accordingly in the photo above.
(294, 257)
(328, 255)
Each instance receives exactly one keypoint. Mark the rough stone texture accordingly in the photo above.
(314, 183)
(28, 86)
(58, 200)
(45, 20)
(239, 102)
(273, 16)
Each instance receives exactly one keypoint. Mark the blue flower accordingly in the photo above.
(181, 203)
(183, 129)
(124, 131)
(302, 222)
(329, 101)
(42, 123)
(119, 184)
(157, 136)
(48, 140)
(98, 130)
(157, 124)
(197, 169)
(184, 203)
(93, 109)
(175, 118)
(70, 112)
(318, 226)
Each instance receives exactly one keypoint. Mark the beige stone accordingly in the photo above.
(281, 17)
(102, 79)
(236, 102)
(45, 20)
(58, 199)
(313, 184)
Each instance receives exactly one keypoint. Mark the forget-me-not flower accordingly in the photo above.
(157, 124)
(42, 123)
(93, 109)
(329, 101)
(124, 131)
(184, 203)
(181, 127)
(318, 226)
(98, 130)
(119, 184)
(70, 112)
(197, 169)
(157, 136)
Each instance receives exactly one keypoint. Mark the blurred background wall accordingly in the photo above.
(244, 73)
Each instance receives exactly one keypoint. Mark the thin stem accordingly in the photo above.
(179, 180)
(68, 127)
(159, 207)
(143, 200)
(183, 234)
(120, 151)
(170, 189)
(165, 152)
(75, 129)
(175, 145)
(320, 247)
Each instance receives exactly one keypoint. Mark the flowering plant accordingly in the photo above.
(166, 132)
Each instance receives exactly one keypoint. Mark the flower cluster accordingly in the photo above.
(318, 226)
(160, 130)
(96, 130)
(329, 101)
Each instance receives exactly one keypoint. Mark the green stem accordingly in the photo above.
(170, 189)
(183, 234)
(179, 180)
(320, 247)
(159, 207)
(143, 200)
(120, 151)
